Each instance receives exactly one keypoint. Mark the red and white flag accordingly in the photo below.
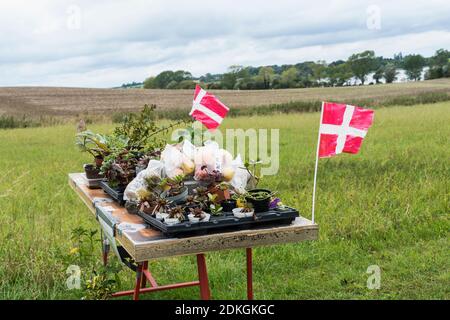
(207, 109)
(342, 128)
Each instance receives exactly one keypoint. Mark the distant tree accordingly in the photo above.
(339, 74)
(265, 77)
(229, 79)
(439, 65)
(172, 85)
(390, 73)
(319, 70)
(149, 83)
(186, 84)
(378, 75)
(289, 77)
(181, 75)
(413, 65)
(361, 64)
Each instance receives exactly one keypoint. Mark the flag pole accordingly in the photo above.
(315, 169)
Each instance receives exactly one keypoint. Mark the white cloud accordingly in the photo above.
(105, 43)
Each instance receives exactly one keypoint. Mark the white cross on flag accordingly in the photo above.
(207, 109)
(342, 128)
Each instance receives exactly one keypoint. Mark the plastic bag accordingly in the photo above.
(154, 168)
(241, 175)
(188, 149)
(172, 160)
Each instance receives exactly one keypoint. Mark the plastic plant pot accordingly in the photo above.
(193, 219)
(228, 205)
(260, 205)
(237, 212)
(206, 218)
(179, 198)
(92, 172)
(171, 221)
(161, 215)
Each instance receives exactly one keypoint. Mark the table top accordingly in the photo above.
(148, 243)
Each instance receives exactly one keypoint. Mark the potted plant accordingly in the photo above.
(92, 171)
(201, 197)
(175, 190)
(147, 200)
(214, 205)
(259, 198)
(191, 203)
(161, 209)
(198, 215)
(216, 209)
(96, 145)
(119, 169)
(176, 215)
(245, 212)
(222, 190)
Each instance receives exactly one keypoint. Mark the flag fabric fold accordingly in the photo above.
(207, 109)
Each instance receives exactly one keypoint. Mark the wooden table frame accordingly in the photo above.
(154, 245)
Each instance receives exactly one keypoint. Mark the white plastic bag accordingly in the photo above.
(154, 168)
(241, 175)
(172, 159)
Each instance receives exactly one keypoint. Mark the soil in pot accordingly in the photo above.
(257, 199)
(92, 172)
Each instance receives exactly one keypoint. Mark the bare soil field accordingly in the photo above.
(58, 101)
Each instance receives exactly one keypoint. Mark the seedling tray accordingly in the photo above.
(115, 193)
(226, 222)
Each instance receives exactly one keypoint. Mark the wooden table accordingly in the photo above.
(148, 243)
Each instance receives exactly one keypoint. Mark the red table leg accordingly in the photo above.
(143, 277)
(249, 274)
(203, 277)
(137, 287)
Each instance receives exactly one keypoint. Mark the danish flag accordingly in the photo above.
(342, 128)
(207, 109)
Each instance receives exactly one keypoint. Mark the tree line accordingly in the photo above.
(311, 74)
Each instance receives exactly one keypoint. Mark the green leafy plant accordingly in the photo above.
(119, 170)
(216, 209)
(142, 130)
(92, 143)
(174, 186)
(259, 195)
(201, 197)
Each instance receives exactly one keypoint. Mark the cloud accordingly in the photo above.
(105, 43)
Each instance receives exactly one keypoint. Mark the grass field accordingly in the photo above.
(387, 206)
(81, 102)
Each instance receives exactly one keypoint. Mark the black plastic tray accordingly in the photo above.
(226, 222)
(115, 193)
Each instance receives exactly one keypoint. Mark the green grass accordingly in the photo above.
(388, 206)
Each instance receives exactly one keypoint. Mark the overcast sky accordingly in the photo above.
(106, 43)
